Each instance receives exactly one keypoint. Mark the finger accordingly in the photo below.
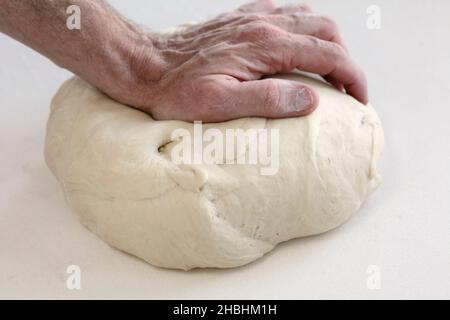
(280, 51)
(269, 98)
(257, 7)
(333, 62)
(316, 25)
(311, 24)
(299, 19)
(220, 98)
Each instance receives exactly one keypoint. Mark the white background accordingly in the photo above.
(404, 229)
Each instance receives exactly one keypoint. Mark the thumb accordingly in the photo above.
(273, 98)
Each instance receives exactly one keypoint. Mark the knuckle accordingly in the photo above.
(336, 49)
(329, 21)
(292, 8)
(305, 7)
(311, 42)
(328, 27)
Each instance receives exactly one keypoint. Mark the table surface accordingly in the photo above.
(403, 230)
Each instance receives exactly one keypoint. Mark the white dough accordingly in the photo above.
(105, 155)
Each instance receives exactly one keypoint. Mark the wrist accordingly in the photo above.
(124, 63)
(141, 66)
(118, 60)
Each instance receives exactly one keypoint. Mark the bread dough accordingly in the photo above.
(115, 169)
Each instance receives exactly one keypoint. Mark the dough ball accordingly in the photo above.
(115, 167)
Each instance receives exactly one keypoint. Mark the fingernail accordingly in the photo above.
(298, 99)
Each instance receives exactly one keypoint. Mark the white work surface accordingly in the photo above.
(404, 229)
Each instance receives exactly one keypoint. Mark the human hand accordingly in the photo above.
(215, 71)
